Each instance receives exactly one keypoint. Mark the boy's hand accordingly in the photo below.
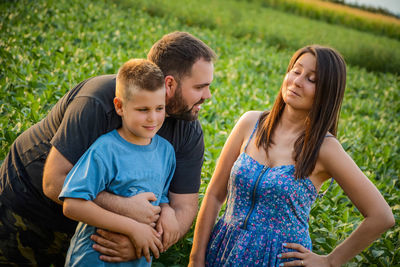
(144, 239)
(168, 226)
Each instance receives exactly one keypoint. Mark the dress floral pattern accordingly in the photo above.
(266, 207)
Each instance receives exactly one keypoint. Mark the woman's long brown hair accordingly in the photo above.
(323, 116)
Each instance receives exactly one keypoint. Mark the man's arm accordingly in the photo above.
(116, 248)
(185, 206)
(176, 218)
(55, 171)
(144, 237)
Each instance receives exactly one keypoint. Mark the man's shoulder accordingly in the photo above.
(185, 127)
(100, 89)
(98, 84)
(195, 125)
(183, 135)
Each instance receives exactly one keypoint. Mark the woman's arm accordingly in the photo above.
(217, 189)
(143, 236)
(378, 216)
(365, 196)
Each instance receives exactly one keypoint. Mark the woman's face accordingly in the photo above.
(298, 88)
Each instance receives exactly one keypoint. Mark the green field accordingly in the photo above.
(339, 14)
(46, 47)
(251, 20)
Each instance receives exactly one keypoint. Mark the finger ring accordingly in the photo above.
(302, 263)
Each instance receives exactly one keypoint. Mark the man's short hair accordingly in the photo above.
(138, 74)
(176, 52)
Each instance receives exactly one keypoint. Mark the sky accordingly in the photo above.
(391, 5)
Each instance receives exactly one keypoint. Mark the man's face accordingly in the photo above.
(192, 90)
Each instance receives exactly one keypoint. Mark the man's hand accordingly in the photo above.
(168, 226)
(137, 207)
(143, 210)
(114, 247)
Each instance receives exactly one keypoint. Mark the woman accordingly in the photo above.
(272, 167)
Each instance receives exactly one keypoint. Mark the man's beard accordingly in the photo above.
(177, 108)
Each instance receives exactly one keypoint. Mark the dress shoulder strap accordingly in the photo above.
(251, 136)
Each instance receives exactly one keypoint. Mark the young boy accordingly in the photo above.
(126, 161)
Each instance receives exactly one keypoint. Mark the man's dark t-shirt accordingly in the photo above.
(73, 124)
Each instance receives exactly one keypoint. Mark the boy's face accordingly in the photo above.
(142, 115)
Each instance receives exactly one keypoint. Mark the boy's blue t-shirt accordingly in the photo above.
(117, 166)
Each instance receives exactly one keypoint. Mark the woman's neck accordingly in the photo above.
(292, 121)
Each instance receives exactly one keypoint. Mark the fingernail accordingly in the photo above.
(281, 264)
(284, 244)
(279, 255)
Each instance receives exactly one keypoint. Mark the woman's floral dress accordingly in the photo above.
(265, 208)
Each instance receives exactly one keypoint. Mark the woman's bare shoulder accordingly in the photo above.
(250, 117)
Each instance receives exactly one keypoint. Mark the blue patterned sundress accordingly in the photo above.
(265, 208)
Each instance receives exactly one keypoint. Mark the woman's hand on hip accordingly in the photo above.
(304, 257)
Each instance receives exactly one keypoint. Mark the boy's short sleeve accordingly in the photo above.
(172, 166)
(87, 178)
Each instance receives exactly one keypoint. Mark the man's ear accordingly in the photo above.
(118, 105)
(170, 86)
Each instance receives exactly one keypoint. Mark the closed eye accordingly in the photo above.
(296, 71)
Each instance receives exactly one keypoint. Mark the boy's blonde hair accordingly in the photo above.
(138, 74)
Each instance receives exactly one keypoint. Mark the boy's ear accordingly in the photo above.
(118, 105)
(170, 86)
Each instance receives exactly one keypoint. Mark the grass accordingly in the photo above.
(334, 13)
(249, 20)
(46, 47)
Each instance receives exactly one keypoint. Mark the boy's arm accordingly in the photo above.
(137, 207)
(143, 236)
